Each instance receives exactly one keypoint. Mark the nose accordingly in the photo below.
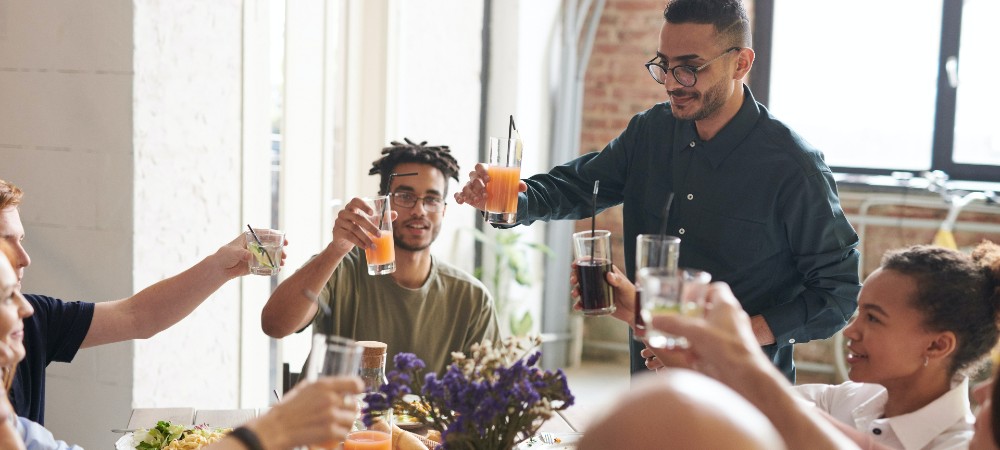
(851, 331)
(669, 82)
(22, 258)
(24, 308)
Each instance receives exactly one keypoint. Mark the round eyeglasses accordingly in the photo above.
(686, 76)
(404, 199)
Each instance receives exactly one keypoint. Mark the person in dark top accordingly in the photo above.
(754, 204)
(58, 329)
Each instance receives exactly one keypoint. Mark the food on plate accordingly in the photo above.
(167, 436)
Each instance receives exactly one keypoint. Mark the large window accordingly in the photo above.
(885, 85)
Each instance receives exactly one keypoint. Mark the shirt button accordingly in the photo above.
(877, 431)
(791, 341)
(690, 196)
(692, 144)
(681, 231)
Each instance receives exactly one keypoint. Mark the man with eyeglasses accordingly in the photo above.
(753, 203)
(426, 307)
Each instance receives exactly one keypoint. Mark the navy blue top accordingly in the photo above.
(53, 333)
(756, 206)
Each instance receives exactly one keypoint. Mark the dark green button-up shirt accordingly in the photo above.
(756, 206)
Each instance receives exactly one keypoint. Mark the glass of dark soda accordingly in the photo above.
(592, 253)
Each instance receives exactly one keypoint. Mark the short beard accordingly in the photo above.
(712, 100)
(415, 248)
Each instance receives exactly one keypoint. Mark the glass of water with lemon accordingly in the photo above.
(266, 253)
(671, 292)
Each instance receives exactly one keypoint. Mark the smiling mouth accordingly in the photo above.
(854, 356)
(418, 226)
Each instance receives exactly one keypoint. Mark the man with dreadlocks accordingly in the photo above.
(426, 307)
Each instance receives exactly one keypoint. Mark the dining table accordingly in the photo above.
(561, 424)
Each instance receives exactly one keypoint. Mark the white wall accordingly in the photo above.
(121, 121)
(434, 88)
(66, 139)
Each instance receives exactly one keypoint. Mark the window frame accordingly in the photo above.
(942, 149)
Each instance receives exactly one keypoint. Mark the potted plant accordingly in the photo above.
(511, 267)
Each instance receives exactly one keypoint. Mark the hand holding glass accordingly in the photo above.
(381, 259)
(671, 292)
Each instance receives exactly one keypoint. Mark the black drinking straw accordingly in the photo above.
(666, 213)
(381, 216)
(511, 127)
(593, 221)
(261, 244)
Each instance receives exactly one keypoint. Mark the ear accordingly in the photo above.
(942, 346)
(744, 61)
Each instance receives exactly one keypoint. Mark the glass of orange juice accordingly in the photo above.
(369, 440)
(505, 173)
(381, 259)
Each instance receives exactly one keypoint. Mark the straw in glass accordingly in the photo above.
(261, 244)
(593, 221)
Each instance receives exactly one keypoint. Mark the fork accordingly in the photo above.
(546, 438)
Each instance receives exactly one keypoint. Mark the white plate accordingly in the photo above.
(567, 441)
(126, 442)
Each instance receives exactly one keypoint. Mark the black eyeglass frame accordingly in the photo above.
(673, 70)
(429, 207)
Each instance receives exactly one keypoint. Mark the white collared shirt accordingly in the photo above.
(945, 423)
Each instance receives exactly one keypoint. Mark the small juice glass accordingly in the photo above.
(368, 440)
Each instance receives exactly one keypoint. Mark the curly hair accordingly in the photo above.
(955, 292)
(409, 152)
(728, 16)
(10, 195)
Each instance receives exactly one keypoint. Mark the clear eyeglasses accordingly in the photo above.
(404, 199)
(687, 76)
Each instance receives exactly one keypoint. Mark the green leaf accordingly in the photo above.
(522, 326)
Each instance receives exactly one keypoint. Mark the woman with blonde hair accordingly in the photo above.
(313, 413)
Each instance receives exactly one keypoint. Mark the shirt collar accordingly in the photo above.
(919, 428)
(729, 137)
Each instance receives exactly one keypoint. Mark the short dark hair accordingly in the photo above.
(409, 152)
(728, 16)
(955, 292)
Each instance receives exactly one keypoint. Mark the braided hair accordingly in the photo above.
(409, 152)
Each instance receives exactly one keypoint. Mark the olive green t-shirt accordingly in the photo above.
(450, 312)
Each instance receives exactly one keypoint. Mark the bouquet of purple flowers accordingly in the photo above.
(492, 399)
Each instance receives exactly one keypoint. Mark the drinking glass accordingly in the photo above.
(333, 356)
(266, 253)
(652, 250)
(504, 167)
(381, 259)
(671, 292)
(592, 250)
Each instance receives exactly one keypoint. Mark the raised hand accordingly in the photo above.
(474, 191)
(354, 226)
